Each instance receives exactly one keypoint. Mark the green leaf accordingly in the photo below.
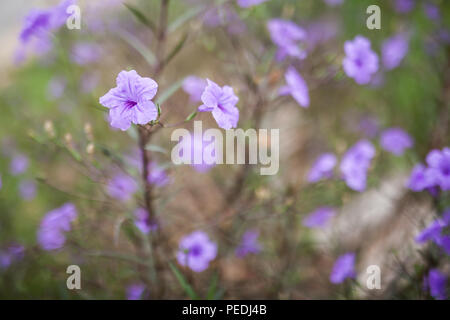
(212, 288)
(184, 284)
(138, 46)
(140, 16)
(191, 116)
(178, 22)
(177, 49)
(155, 148)
(169, 92)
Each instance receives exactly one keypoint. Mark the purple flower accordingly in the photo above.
(439, 163)
(404, 6)
(194, 86)
(196, 250)
(222, 103)
(431, 11)
(432, 232)
(420, 178)
(84, 53)
(18, 165)
(334, 2)
(296, 87)
(360, 62)
(395, 140)
(198, 149)
(142, 221)
(27, 189)
(157, 176)
(394, 50)
(122, 187)
(437, 281)
(249, 244)
(249, 3)
(443, 241)
(224, 16)
(56, 88)
(135, 291)
(322, 167)
(51, 231)
(288, 37)
(13, 253)
(129, 102)
(343, 268)
(319, 218)
(355, 163)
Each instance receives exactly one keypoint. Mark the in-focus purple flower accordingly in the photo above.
(437, 283)
(360, 62)
(432, 232)
(355, 163)
(130, 102)
(56, 88)
(196, 250)
(343, 268)
(198, 148)
(322, 167)
(13, 253)
(296, 87)
(222, 103)
(84, 53)
(194, 87)
(157, 175)
(249, 244)
(135, 291)
(122, 187)
(404, 6)
(334, 2)
(27, 189)
(319, 218)
(395, 140)
(249, 3)
(439, 165)
(431, 11)
(18, 164)
(51, 231)
(393, 51)
(288, 37)
(142, 221)
(420, 179)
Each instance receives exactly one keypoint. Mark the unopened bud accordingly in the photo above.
(68, 138)
(88, 130)
(49, 128)
(90, 148)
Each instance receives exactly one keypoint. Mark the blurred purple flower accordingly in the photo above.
(142, 221)
(56, 87)
(288, 37)
(129, 102)
(420, 178)
(334, 2)
(393, 51)
(13, 253)
(194, 87)
(18, 164)
(319, 218)
(296, 87)
(443, 241)
(196, 250)
(27, 189)
(321, 31)
(222, 103)
(157, 176)
(431, 11)
(437, 282)
(343, 268)
(135, 291)
(224, 16)
(432, 232)
(84, 53)
(249, 244)
(198, 148)
(122, 187)
(439, 164)
(249, 3)
(355, 163)
(360, 62)
(404, 6)
(54, 224)
(322, 167)
(395, 140)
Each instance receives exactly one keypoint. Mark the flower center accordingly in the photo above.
(130, 104)
(195, 250)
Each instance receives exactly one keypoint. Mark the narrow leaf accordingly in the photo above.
(178, 22)
(184, 284)
(191, 116)
(169, 92)
(140, 16)
(138, 46)
(177, 49)
(155, 148)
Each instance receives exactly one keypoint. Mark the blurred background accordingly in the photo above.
(58, 147)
